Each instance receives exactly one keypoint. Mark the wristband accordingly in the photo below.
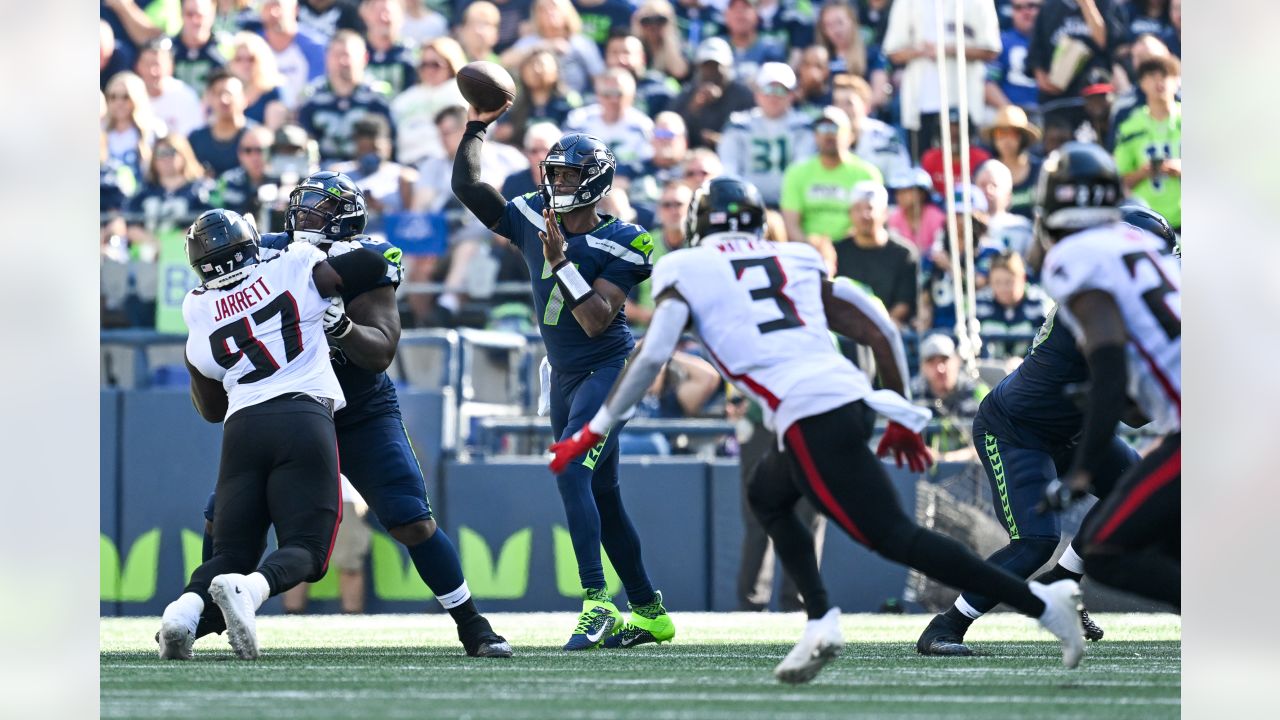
(575, 288)
(342, 329)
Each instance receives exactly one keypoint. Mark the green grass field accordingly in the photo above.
(410, 666)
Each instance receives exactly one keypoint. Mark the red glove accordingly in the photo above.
(905, 443)
(569, 449)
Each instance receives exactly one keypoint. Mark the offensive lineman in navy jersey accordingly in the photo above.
(582, 265)
(328, 210)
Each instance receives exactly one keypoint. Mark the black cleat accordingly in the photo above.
(1091, 629)
(479, 639)
(943, 637)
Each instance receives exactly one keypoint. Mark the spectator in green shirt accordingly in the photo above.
(817, 192)
(1149, 142)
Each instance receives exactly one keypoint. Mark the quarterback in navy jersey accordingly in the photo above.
(329, 211)
(582, 265)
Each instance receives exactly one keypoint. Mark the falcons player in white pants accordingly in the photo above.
(762, 310)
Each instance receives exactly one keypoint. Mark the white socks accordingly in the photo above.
(185, 610)
(1071, 561)
(259, 588)
(967, 610)
(455, 598)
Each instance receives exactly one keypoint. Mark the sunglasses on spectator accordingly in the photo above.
(166, 152)
(252, 150)
(654, 20)
(776, 90)
(610, 93)
(663, 134)
(826, 127)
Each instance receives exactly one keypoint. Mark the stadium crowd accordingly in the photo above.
(832, 109)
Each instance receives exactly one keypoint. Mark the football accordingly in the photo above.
(486, 85)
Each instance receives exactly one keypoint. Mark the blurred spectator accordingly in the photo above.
(1149, 150)
(750, 49)
(540, 97)
(478, 33)
(1096, 126)
(911, 39)
(654, 22)
(953, 396)
(293, 156)
(173, 102)
(682, 389)
(873, 16)
(789, 23)
(713, 95)
(233, 16)
(702, 165)
(1146, 47)
(113, 56)
(388, 186)
(1175, 19)
(242, 187)
(513, 17)
(697, 20)
(173, 193)
(932, 163)
(614, 120)
(300, 58)
(816, 191)
(414, 110)
(670, 150)
(138, 22)
(758, 144)
(1005, 230)
(423, 24)
(215, 144)
(1073, 41)
(601, 18)
(334, 103)
(875, 141)
(129, 123)
(558, 28)
(814, 80)
(195, 49)
(255, 65)
(324, 18)
(1009, 77)
(840, 34)
(116, 182)
(673, 207)
(1146, 17)
(1009, 306)
(874, 258)
(497, 162)
(538, 140)
(390, 60)
(654, 90)
(1011, 135)
(915, 218)
(937, 309)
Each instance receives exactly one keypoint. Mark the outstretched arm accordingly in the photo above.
(486, 203)
(852, 313)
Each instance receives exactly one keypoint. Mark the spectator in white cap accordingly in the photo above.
(750, 50)
(713, 95)
(914, 216)
(758, 144)
(875, 258)
(953, 396)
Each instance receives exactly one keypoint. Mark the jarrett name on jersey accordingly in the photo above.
(1127, 264)
(368, 393)
(264, 336)
(616, 251)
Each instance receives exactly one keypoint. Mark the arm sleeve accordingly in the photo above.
(1108, 398)
(874, 311)
(668, 322)
(361, 270)
(486, 203)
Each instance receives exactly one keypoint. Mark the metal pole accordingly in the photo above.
(944, 101)
(968, 308)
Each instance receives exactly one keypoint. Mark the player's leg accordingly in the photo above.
(1017, 477)
(790, 599)
(378, 458)
(843, 477)
(599, 618)
(1130, 543)
(756, 558)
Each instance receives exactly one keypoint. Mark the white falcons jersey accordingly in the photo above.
(264, 336)
(757, 306)
(1126, 263)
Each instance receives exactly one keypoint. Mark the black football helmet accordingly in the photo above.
(724, 204)
(1153, 222)
(1079, 188)
(595, 163)
(324, 208)
(221, 247)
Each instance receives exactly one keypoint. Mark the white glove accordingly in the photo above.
(336, 322)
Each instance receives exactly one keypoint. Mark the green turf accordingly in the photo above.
(403, 666)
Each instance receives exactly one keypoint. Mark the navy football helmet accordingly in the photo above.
(326, 207)
(1153, 222)
(594, 162)
(724, 204)
(221, 247)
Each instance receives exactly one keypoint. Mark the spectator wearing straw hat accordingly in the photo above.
(932, 159)
(1011, 135)
(914, 217)
(873, 256)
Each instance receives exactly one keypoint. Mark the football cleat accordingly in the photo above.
(820, 644)
(649, 623)
(176, 641)
(1062, 606)
(479, 639)
(599, 620)
(232, 594)
(943, 637)
(1091, 629)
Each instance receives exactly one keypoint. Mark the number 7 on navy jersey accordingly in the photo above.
(773, 291)
(241, 331)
